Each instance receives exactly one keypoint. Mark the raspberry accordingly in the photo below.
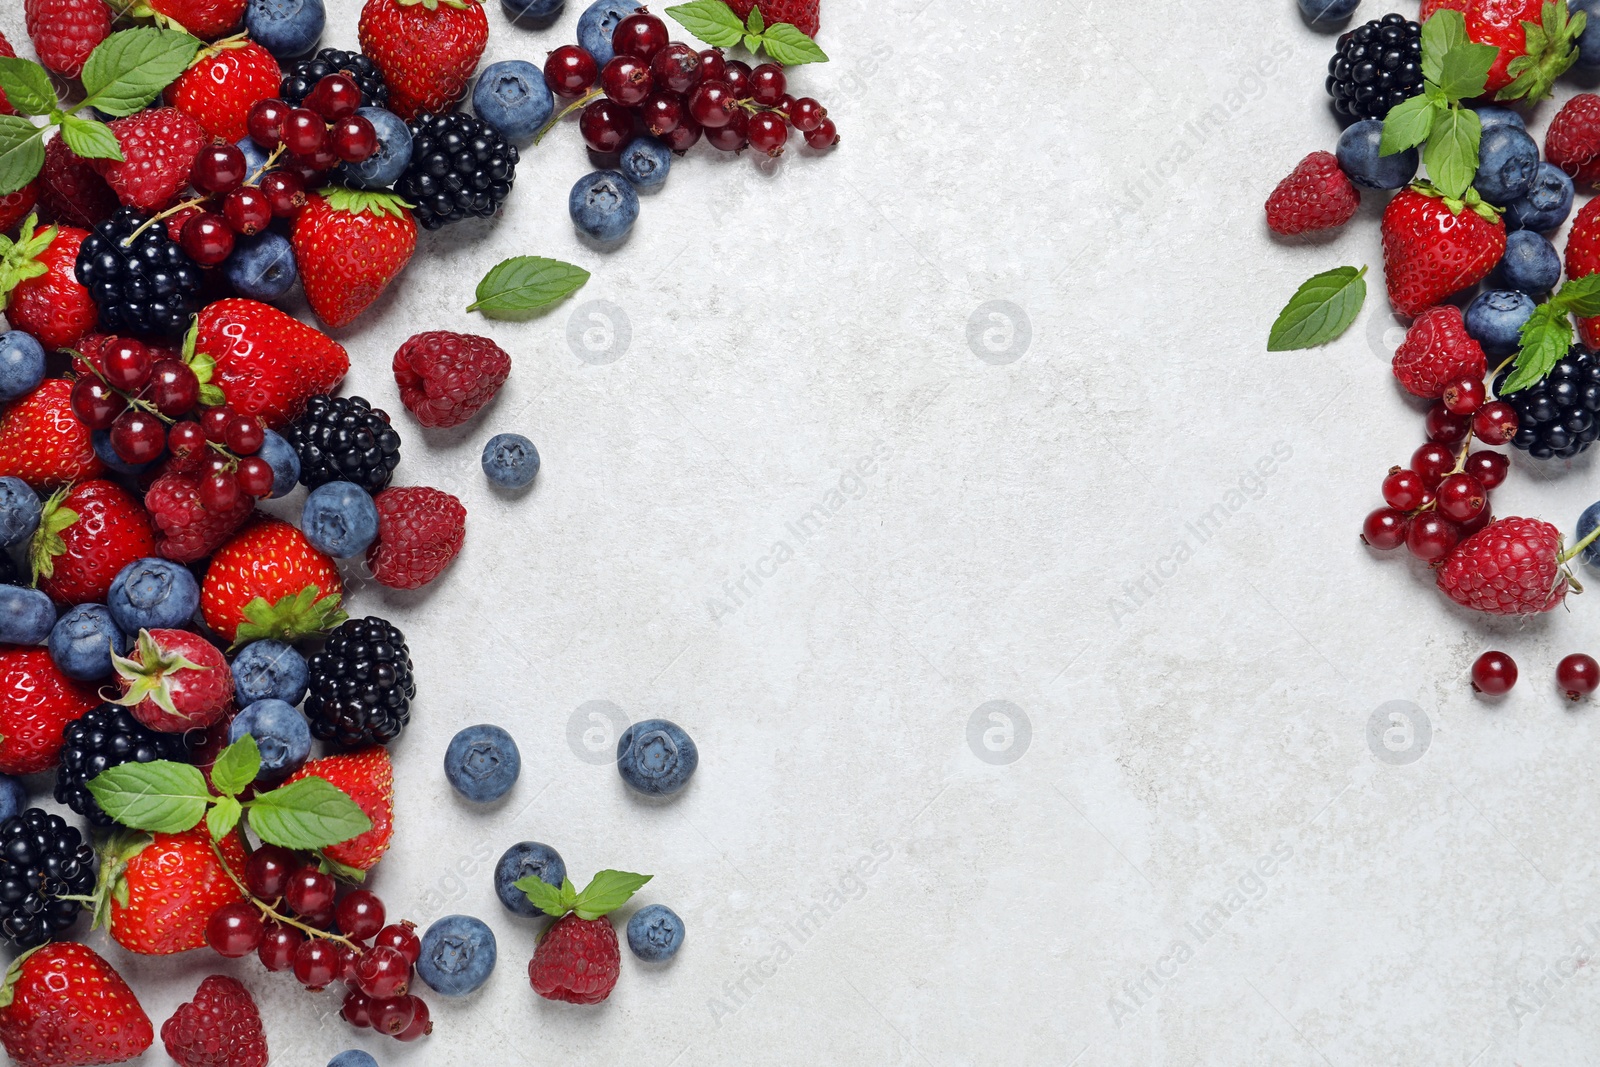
(420, 530)
(186, 532)
(64, 32)
(577, 961)
(220, 1027)
(1315, 196)
(1511, 567)
(446, 378)
(72, 191)
(1437, 351)
(1573, 140)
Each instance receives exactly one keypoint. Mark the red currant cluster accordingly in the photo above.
(373, 959)
(1442, 498)
(669, 90)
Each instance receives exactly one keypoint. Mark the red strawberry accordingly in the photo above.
(64, 1006)
(49, 302)
(368, 777)
(158, 149)
(1500, 23)
(162, 888)
(577, 959)
(268, 363)
(174, 681)
(427, 50)
(41, 440)
(64, 32)
(1573, 140)
(801, 14)
(1433, 247)
(209, 19)
(350, 245)
(1437, 351)
(1511, 567)
(1583, 259)
(420, 530)
(1315, 196)
(272, 562)
(71, 190)
(225, 82)
(446, 378)
(18, 205)
(8, 51)
(86, 535)
(36, 703)
(220, 1027)
(186, 531)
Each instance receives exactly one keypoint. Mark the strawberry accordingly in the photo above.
(18, 205)
(10, 53)
(268, 363)
(159, 890)
(64, 1006)
(1430, 6)
(64, 32)
(1510, 567)
(350, 245)
(427, 50)
(220, 1027)
(87, 533)
(71, 190)
(578, 959)
(801, 14)
(1583, 259)
(269, 582)
(36, 703)
(158, 148)
(1433, 246)
(226, 80)
(1315, 196)
(41, 440)
(39, 271)
(209, 19)
(1573, 140)
(1529, 60)
(420, 530)
(446, 378)
(174, 681)
(186, 531)
(368, 777)
(1437, 351)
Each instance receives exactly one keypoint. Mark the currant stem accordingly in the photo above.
(577, 105)
(276, 916)
(1581, 545)
(127, 242)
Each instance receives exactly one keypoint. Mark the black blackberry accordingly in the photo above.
(361, 685)
(149, 287)
(344, 438)
(107, 737)
(41, 860)
(1557, 416)
(303, 77)
(9, 575)
(1377, 66)
(460, 168)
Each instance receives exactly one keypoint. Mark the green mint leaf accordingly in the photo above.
(1320, 310)
(1546, 337)
(757, 21)
(542, 895)
(212, 396)
(130, 68)
(90, 139)
(1465, 69)
(790, 47)
(752, 44)
(1451, 154)
(1581, 296)
(710, 20)
(310, 813)
(327, 865)
(237, 766)
(569, 894)
(1407, 125)
(1444, 31)
(606, 892)
(518, 287)
(223, 817)
(162, 797)
(27, 86)
(21, 153)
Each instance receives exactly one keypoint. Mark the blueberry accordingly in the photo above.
(339, 519)
(536, 14)
(646, 161)
(21, 364)
(255, 159)
(510, 460)
(513, 98)
(101, 440)
(1546, 205)
(482, 763)
(269, 670)
(282, 734)
(1359, 158)
(20, 510)
(1589, 40)
(1530, 264)
(656, 757)
(262, 267)
(520, 861)
(1508, 164)
(286, 28)
(285, 463)
(655, 933)
(1325, 14)
(84, 639)
(603, 205)
(13, 797)
(26, 616)
(1492, 115)
(153, 593)
(385, 166)
(353, 1058)
(1586, 524)
(458, 955)
(598, 23)
(1495, 319)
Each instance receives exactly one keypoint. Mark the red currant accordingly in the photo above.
(214, 421)
(137, 436)
(310, 892)
(713, 65)
(768, 133)
(686, 136)
(737, 75)
(360, 914)
(606, 126)
(127, 364)
(392, 1016)
(1385, 529)
(316, 963)
(403, 938)
(1431, 537)
(807, 114)
(244, 435)
(1432, 462)
(640, 35)
(661, 113)
(173, 387)
(185, 438)
(219, 492)
(570, 71)
(266, 121)
(768, 86)
(1464, 396)
(1490, 468)
(354, 139)
(382, 972)
(357, 1009)
(421, 1025)
(207, 239)
(627, 80)
(247, 211)
(826, 135)
(1578, 675)
(1461, 498)
(278, 946)
(304, 132)
(95, 403)
(1444, 428)
(285, 193)
(1403, 489)
(235, 930)
(1493, 674)
(219, 168)
(676, 67)
(1495, 423)
(730, 138)
(318, 162)
(255, 477)
(785, 106)
(335, 97)
(712, 104)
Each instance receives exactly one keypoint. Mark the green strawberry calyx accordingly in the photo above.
(1479, 206)
(307, 613)
(116, 850)
(216, 48)
(433, 5)
(8, 990)
(149, 676)
(204, 367)
(359, 201)
(19, 259)
(1552, 48)
(605, 893)
(47, 542)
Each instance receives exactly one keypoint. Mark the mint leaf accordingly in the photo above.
(27, 86)
(310, 813)
(789, 46)
(710, 20)
(237, 766)
(1320, 310)
(1451, 154)
(1444, 31)
(21, 153)
(606, 892)
(543, 895)
(1407, 125)
(1580, 296)
(518, 287)
(223, 816)
(757, 21)
(331, 866)
(130, 68)
(90, 139)
(162, 796)
(1546, 337)
(1465, 69)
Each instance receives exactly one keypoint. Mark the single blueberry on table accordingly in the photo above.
(1492, 115)
(1531, 263)
(262, 267)
(655, 933)
(603, 205)
(535, 14)
(286, 28)
(1358, 157)
(26, 616)
(20, 510)
(656, 757)
(645, 162)
(284, 460)
(513, 98)
(21, 364)
(282, 734)
(269, 670)
(1546, 205)
(510, 460)
(522, 860)
(13, 797)
(1495, 319)
(339, 519)
(1508, 164)
(482, 763)
(353, 1058)
(458, 955)
(83, 640)
(153, 593)
(385, 166)
(598, 23)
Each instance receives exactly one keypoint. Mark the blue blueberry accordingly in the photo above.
(153, 593)
(285, 463)
(646, 161)
(286, 28)
(603, 205)
(513, 98)
(536, 14)
(21, 364)
(1546, 205)
(1495, 319)
(510, 460)
(656, 757)
(13, 797)
(83, 640)
(521, 860)
(353, 1058)
(339, 519)
(281, 733)
(1359, 158)
(1492, 115)
(1589, 40)
(269, 670)
(598, 23)
(1325, 14)
(101, 440)
(1586, 524)
(1508, 164)
(385, 166)
(20, 510)
(1530, 264)
(655, 933)
(26, 616)
(482, 763)
(458, 955)
(262, 267)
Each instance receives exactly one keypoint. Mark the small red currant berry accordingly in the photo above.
(421, 1025)
(335, 97)
(266, 121)
(127, 364)
(402, 937)
(95, 403)
(1495, 423)
(244, 435)
(1490, 468)
(661, 113)
(768, 85)
(316, 963)
(392, 1016)
(267, 872)
(738, 78)
(712, 104)
(255, 477)
(676, 67)
(207, 239)
(137, 436)
(1431, 537)
(357, 1009)
(354, 139)
(1403, 489)
(360, 914)
(627, 80)
(382, 972)
(235, 930)
(1493, 674)
(247, 211)
(1461, 498)
(825, 136)
(606, 126)
(173, 387)
(215, 422)
(278, 946)
(185, 438)
(640, 36)
(1385, 529)
(1445, 428)
(806, 114)
(570, 71)
(1578, 675)
(713, 65)
(686, 136)
(310, 892)
(285, 193)
(1432, 462)
(218, 169)
(768, 133)
(731, 137)
(304, 132)
(1464, 396)
(219, 492)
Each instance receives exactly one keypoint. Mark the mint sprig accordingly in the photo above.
(605, 893)
(1547, 335)
(1320, 310)
(516, 288)
(715, 23)
(1454, 69)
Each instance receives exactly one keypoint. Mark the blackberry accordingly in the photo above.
(107, 737)
(344, 438)
(361, 685)
(41, 860)
(1557, 416)
(9, 575)
(1378, 66)
(303, 77)
(459, 168)
(149, 287)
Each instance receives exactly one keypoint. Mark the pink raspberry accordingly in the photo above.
(446, 378)
(185, 531)
(1437, 351)
(1511, 567)
(420, 531)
